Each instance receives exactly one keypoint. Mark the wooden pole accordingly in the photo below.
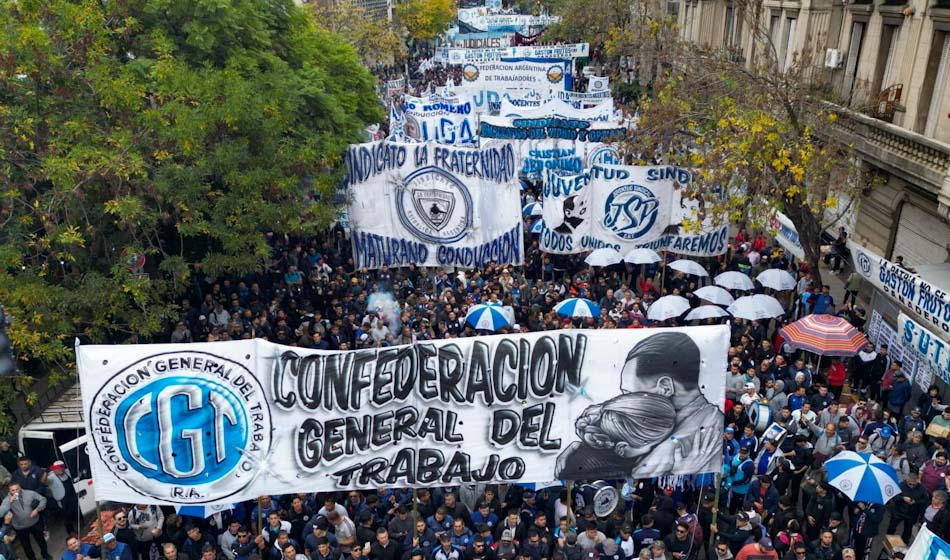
(98, 519)
(260, 517)
(415, 512)
(712, 540)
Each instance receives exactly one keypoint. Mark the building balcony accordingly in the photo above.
(917, 159)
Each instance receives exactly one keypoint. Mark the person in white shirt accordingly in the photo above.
(750, 396)
(802, 419)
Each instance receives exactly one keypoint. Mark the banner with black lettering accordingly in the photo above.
(226, 422)
(557, 108)
(545, 76)
(433, 205)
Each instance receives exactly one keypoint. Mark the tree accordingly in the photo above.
(426, 19)
(177, 132)
(376, 41)
(760, 133)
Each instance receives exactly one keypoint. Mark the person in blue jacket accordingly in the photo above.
(112, 549)
(900, 393)
(76, 550)
(737, 476)
(762, 497)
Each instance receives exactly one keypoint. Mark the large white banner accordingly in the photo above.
(557, 108)
(565, 145)
(926, 345)
(568, 51)
(433, 205)
(544, 76)
(442, 119)
(481, 19)
(787, 236)
(225, 422)
(928, 546)
(923, 299)
(620, 207)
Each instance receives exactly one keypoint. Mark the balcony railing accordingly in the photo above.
(917, 158)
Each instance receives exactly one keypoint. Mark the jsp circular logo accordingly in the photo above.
(435, 206)
(630, 211)
(864, 263)
(182, 426)
(603, 155)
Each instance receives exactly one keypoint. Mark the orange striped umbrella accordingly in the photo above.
(825, 335)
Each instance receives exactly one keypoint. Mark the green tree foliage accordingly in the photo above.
(181, 131)
(426, 19)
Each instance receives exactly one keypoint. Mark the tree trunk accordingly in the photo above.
(809, 235)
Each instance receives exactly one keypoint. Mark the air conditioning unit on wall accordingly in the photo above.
(833, 58)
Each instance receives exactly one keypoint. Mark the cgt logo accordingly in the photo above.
(864, 264)
(182, 426)
(630, 211)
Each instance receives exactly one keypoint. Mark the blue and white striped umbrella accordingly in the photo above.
(577, 307)
(524, 186)
(532, 209)
(536, 226)
(862, 477)
(487, 317)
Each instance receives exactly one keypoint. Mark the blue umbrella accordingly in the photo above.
(577, 307)
(532, 209)
(203, 511)
(487, 317)
(524, 186)
(862, 477)
(536, 226)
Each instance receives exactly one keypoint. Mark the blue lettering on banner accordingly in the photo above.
(678, 174)
(366, 160)
(540, 129)
(703, 244)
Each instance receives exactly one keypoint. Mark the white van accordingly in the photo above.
(59, 434)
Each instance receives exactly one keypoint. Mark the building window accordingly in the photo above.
(885, 59)
(936, 81)
(786, 52)
(854, 54)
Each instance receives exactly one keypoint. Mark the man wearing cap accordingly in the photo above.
(667, 365)
(112, 549)
(762, 550)
(730, 447)
(750, 396)
(506, 549)
(738, 537)
(737, 476)
(912, 422)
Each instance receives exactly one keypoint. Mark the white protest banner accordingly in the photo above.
(597, 83)
(787, 236)
(475, 56)
(556, 108)
(926, 301)
(566, 213)
(509, 23)
(445, 120)
(225, 422)
(394, 88)
(633, 204)
(480, 40)
(928, 546)
(711, 240)
(926, 344)
(433, 205)
(544, 76)
(565, 145)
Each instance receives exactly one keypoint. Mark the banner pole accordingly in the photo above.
(99, 518)
(712, 541)
(260, 516)
(415, 513)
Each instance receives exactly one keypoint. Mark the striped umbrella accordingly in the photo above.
(577, 307)
(202, 511)
(487, 317)
(825, 335)
(536, 226)
(532, 209)
(862, 477)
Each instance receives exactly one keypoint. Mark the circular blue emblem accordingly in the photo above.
(181, 427)
(864, 264)
(435, 206)
(630, 211)
(199, 426)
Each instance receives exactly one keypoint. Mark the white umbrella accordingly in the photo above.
(706, 312)
(603, 257)
(714, 294)
(733, 280)
(777, 279)
(755, 307)
(667, 307)
(641, 255)
(689, 267)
